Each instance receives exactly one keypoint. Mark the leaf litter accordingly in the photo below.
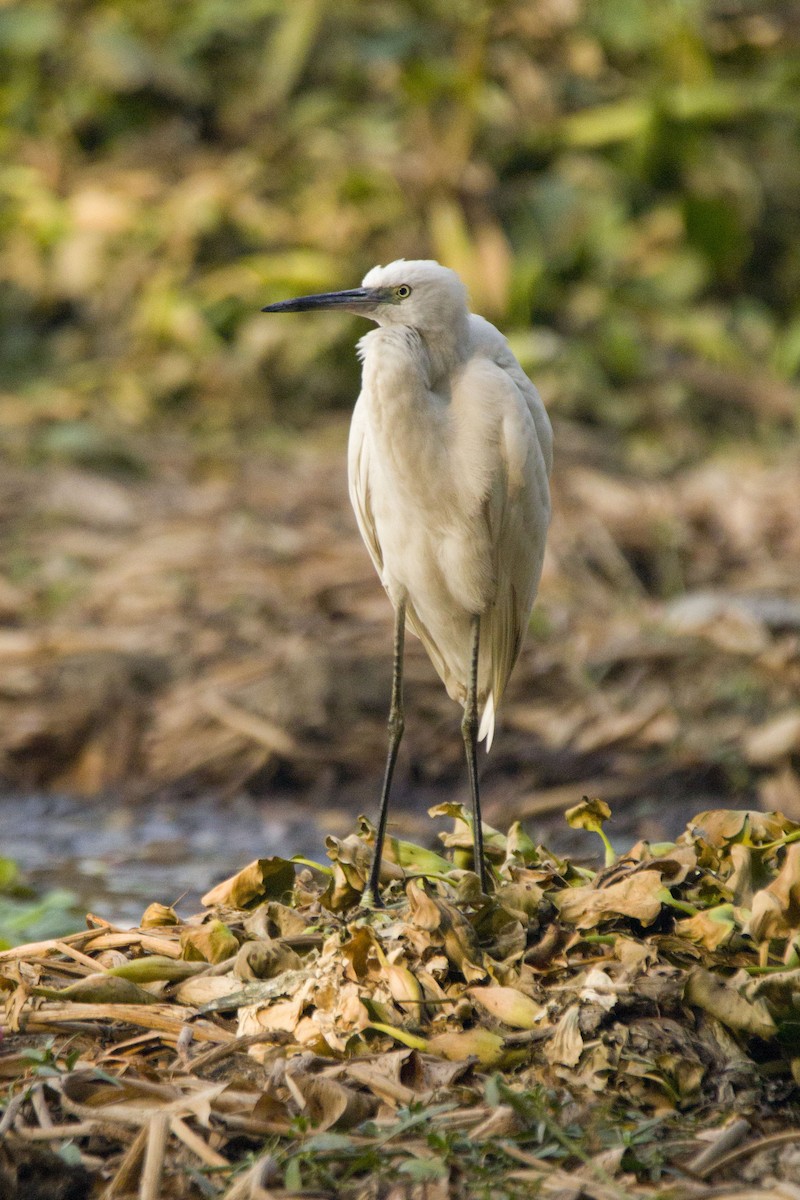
(630, 1031)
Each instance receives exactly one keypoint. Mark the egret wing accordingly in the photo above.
(490, 341)
(358, 469)
(517, 512)
(359, 466)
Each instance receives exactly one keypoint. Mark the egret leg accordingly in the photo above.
(469, 730)
(371, 897)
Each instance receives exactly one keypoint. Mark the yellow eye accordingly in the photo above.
(403, 291)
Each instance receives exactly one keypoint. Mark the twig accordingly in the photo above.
(119, 1049)
(255, 1126)
(123, 1180)
(48, 1133)
(764, 1143)
(56, 967)
(218, 1053)
(78, 956)
(197, 1144)
(36, 948)
(526, 1036)
(33, 1024)
(157, 1134)
(39, 1105)
(730, 1135)
(12, 1108)
(167, 1019)
(262, 1173)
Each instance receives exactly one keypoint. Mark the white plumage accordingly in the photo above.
(449, 460)
(449, 457)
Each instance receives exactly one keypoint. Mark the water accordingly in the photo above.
(119, 857)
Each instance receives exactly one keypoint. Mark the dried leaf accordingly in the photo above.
(509, 1005)
(767, 917)
(786, 885)
(206, 990)
(154, 967)
(423, 910)
(452, 928)
(742, 880)
(599, 988)
(213, 942)
(362, 954)
(263, 877)
(639, 895)
(722, 1001)
(331, 1104)
(100, 989)
(274, 919)
(280, 1015)
(405, 988)
(521, 899)
(158, 914)
(719, 826)
(566, 1044)
(711, 927)
(264, 959)
(486, 1047)
(775, 910)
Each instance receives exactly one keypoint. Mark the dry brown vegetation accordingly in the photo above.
(553, 1037)
(211, 626)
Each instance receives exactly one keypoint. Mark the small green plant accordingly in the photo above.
(48, 1061)
(26, 915)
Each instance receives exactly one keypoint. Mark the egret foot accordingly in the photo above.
(370, 900)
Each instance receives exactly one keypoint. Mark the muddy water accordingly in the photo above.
(117, 858)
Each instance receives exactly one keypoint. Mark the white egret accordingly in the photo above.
(449, 461)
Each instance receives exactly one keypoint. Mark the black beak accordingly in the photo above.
(355, 300)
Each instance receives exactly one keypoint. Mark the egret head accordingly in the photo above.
(421, 294)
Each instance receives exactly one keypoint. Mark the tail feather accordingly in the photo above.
(486, 729)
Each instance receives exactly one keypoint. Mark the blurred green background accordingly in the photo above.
(618, 182)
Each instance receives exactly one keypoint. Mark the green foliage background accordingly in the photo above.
(617, 180)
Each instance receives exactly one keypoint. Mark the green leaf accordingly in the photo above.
(421, 1169)
(293, 1178)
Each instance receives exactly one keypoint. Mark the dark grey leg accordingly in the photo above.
(371, 897)
(469, 730)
